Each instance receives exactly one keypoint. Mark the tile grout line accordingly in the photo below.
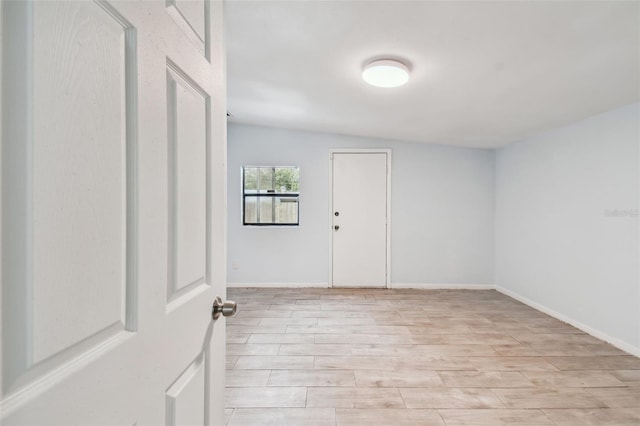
(402, 398)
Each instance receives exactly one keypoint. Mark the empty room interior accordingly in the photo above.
(488, 271)
(309, 212)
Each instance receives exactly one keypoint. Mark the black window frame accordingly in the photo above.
(268, 194)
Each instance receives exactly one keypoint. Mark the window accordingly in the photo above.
(270, 196)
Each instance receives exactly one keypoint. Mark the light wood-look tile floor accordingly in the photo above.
(417, 357)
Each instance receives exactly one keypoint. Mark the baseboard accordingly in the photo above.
(278, 285)
(620, 344)
(424, 286)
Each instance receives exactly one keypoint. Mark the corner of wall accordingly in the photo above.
(622, 345)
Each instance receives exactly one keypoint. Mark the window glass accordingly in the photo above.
(250, 210)
(266, 179)
(266, 209)
(250, 179)
(270, 195)
(286, 210)
(286, 179)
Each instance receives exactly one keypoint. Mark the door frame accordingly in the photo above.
(386, 151)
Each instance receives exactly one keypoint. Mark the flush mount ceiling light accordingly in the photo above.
(386, 73)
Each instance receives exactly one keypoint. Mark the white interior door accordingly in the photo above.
(360, 186)
(113, 212)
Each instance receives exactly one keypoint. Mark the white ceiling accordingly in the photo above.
(483, 74)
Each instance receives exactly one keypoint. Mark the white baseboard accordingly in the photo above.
(278, 285)
(577, 324)
(425, 286)
(421, 286)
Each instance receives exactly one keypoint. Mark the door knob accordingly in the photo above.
(336, 227)
(226, 309)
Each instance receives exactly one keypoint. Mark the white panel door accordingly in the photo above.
(359, 219)
(113, 212)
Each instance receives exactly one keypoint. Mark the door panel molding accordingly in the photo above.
(35, 355)
(188, 136)
(185, 398)
(195, 27)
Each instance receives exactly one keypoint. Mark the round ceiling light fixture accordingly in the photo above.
(386, 73)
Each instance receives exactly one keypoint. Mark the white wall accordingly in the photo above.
(556, 246)
(442, 210)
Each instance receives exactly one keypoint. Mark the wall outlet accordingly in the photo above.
(235, 265)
